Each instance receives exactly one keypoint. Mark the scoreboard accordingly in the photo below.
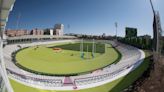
(130, 32)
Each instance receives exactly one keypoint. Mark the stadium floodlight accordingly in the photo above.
(116, 29)
(18, 19)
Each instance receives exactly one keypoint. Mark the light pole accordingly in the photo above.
(18, 19)
(116, 29)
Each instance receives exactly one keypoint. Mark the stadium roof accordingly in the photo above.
(5, 8)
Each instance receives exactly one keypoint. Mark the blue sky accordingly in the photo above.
(93, 17)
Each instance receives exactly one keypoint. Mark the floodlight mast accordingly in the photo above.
(18, 19)
(116, 29)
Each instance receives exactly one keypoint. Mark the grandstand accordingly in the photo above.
(131, 58)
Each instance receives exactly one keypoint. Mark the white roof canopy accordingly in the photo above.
(5, 8)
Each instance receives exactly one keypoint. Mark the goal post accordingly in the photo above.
(81, 49)
(93, 48)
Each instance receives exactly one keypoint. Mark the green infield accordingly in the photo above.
(66, 58)
(115, 86)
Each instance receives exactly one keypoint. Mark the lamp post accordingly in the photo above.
(116, 30)
(18, 20)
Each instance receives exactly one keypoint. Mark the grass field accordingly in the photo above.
(45, 59)
(115, 86)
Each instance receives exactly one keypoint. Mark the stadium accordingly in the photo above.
(111, 61)
(60, 63)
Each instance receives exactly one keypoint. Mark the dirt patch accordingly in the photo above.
(155, 83)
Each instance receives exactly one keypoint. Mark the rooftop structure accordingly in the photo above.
(58, 29)
(12, 33)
